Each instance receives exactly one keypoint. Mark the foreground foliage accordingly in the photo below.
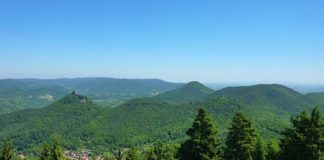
(53, 152)
(133, 154)
(302, 141)
(305, 139)
(240, 142)
(204, 142)
(160, 152)
(6, 151)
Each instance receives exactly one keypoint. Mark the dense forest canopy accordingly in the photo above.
(81, 123)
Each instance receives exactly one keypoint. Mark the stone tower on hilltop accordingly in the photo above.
(82, 98)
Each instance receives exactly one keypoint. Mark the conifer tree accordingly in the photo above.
(241, 138)
(304, 140)
(46, 152)
(56, 150)
(272, 150)
(259, 150)
(133, 154)
(203, 143)
(6, 151)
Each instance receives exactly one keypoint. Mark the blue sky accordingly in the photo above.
(270, 41)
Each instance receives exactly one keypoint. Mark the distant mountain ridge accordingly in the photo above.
(17, 94)
(317, 97)
(269, 105)
(274, 94)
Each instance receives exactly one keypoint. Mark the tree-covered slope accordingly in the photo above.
(317, 97)
(190, 92)
(146, 120)
(29, 128)
(277, 96)
(87, 125)
(269, 106)
(17, 94)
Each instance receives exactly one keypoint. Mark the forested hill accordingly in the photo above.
(83, 124)
(66, 117)
(317, 97)
(273, 95)
(17, 94)
(190, 92)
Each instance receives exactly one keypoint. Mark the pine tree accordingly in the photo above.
(305, 139)
(6, 151)
(56, 151)
(46, 152)
(203, 143)
(259, 150)
(272, 150)
(133, 154)
(240, 142)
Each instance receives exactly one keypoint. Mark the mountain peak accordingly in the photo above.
(195, 85)
(191, 91)
(74, 97)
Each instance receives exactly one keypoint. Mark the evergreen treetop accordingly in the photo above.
(304, 140)
(6, 151)
(46, 153)
(241, 139)
(203, 142)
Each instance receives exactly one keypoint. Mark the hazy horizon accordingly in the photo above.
(211, 41)
(215, 84)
